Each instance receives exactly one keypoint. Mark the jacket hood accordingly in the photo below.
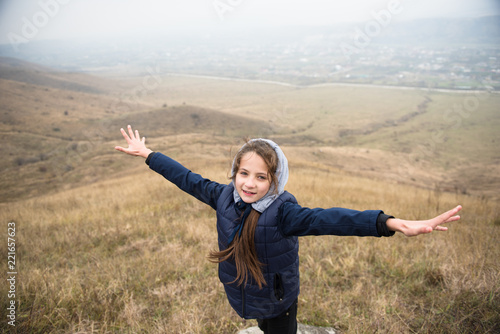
(281, 174)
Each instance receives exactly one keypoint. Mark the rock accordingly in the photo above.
(302, 329)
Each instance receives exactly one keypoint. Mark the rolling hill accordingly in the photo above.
(105, 245)
(59, 128)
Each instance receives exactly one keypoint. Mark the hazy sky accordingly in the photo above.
(63, 19)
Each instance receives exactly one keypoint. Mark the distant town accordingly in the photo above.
(453, 67)
(466, 56)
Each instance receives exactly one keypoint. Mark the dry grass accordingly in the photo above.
(103, 245)
(56, 134)
(129, 255)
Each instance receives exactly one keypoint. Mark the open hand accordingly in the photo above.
(136, 145)
(412, 228)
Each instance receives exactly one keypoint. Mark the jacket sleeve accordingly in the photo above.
(194, 184)
(295, 220)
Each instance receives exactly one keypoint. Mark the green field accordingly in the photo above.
(105, 245)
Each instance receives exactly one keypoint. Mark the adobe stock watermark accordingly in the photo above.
(11, 273)
(133, 98)
(222, 7)
(373, 28)
(30, 27)
(453, 118)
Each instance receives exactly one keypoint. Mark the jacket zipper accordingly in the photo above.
(243, 300)
(279, 289)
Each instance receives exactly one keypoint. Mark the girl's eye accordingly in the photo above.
(262, 178)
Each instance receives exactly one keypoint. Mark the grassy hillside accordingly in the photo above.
(444, 141)
(129, 255)
(451, 137)
(105, 245)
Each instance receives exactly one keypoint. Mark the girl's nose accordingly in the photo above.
(250, 183)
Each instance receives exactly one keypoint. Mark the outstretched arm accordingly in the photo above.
(136, 145)
(201, 188)
(412, 228)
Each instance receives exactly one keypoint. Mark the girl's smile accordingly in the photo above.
(252, 180)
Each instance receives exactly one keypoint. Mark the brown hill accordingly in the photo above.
(56, 125)
(33, 74)
(191, 119)
(59, 133)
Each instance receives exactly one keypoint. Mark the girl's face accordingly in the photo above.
(252, 181)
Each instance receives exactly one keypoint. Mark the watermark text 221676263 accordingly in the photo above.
(11, 272)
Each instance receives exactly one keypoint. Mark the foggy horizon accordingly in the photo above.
(93, 20)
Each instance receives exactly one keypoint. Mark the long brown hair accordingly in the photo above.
(242, 248)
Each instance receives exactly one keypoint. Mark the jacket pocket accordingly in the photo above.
(279, 289)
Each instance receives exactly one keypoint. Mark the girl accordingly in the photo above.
(258, 225)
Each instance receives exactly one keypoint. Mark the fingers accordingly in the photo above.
(136, 144)
(132, 135)
(125, 150)
(130, 132)
(127, 138)
(450, 215)
(454, 216)
(452, 219)
(455, 210)
(413, 228)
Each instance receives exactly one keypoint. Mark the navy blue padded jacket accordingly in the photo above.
(276, 237)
